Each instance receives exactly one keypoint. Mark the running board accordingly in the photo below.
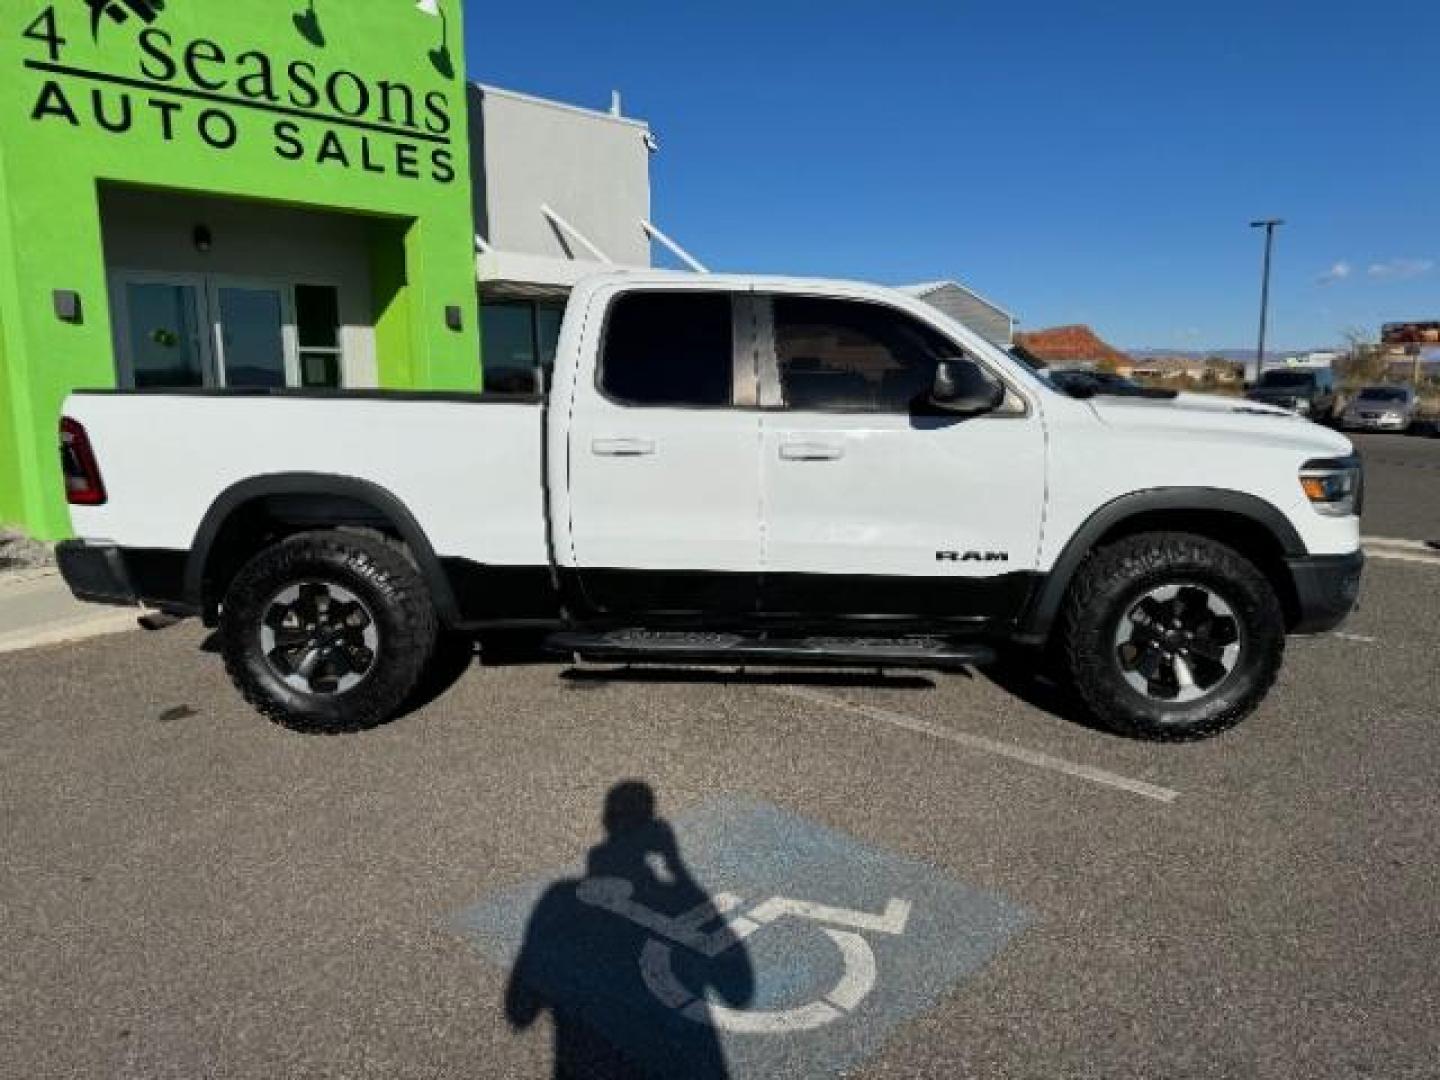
(660, 647)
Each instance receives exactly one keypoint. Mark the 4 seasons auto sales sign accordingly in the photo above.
(121, 67)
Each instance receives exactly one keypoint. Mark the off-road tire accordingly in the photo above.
(388, 584)
(1113, 579)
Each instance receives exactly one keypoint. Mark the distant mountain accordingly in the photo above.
(1073, 344)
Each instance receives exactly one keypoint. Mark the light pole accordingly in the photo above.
(1268, 224)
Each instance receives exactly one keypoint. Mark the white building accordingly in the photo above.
(965, 306)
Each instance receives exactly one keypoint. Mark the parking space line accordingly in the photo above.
(987, 746)
(1398, 550)
(1424, 559)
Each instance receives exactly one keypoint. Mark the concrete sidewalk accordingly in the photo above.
(36, 608)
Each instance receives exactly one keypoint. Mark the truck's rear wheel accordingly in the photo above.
(328, 631)
(1172, 636)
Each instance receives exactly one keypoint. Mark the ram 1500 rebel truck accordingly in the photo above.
(731, 470)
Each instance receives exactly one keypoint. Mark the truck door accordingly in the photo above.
(664, 443)
(877, 508)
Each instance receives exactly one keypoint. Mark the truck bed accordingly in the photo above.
(468, 465)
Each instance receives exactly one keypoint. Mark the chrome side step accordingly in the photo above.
(657, 646)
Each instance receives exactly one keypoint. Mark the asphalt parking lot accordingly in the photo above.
(1402, 485)
(191, 892)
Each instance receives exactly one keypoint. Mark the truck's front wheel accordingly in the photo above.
(327, 631)
(1172, 636)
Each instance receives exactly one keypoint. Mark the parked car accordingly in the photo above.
(1309, 393)
(1380, 408)
(727, 470)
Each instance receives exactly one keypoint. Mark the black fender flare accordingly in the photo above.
(381, 499)
(1040, 616)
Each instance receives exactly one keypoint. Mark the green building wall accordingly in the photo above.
(361, 110)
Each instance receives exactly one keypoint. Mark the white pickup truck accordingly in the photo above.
(732, 470)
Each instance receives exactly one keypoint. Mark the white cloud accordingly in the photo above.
(1339, 272)
(1400, 269)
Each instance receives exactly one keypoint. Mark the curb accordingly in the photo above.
(65, 633)
(20, 577)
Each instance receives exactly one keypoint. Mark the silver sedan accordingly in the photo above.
(1380, 408)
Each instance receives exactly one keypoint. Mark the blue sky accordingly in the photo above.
(1075, 161)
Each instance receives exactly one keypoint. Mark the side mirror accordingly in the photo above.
(962, 386)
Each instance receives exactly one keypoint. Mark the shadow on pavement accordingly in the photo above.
(1030, 679)
(453, 656)
(581, 957)
(742, 677)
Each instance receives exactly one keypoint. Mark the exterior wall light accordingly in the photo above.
(453, 319)
(67, 306)
(204, 241)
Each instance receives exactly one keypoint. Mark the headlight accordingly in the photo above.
(1301, 405)
(1334, 486)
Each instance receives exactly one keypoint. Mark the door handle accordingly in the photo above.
(811, 451)
(627, 447)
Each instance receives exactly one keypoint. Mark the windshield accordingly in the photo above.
(1383, 393)
(1287, 379)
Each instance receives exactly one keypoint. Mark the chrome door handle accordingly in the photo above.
(622, 447)
(811, 451)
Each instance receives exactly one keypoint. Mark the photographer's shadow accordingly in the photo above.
(581, 956)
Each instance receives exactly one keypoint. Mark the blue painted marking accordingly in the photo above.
(582, 962)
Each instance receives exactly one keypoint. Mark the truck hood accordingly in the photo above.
(1223, 417)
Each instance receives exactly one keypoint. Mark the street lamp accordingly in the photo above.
(1268, 224)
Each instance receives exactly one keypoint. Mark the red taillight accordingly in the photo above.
(83, 486)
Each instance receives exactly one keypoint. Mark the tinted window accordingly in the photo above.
(1291, 379)
(669, 349)
(851, 356)
(317, 316)
(547, 333)
(317, 320)
(508, 343)
(1382, 393)
(519, 344)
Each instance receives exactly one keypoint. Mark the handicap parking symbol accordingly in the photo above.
(808, 953)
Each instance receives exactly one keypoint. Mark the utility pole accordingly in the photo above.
(1268, 224)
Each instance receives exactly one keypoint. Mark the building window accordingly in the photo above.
(520, 337)
(317, 324)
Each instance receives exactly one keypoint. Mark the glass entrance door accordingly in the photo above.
(252, 327)
(161, 344)
(178, 331)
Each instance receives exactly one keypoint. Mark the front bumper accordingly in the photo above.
(1326, 588)
(1365, 423)
(124, 577)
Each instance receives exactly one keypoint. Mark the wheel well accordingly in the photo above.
(1249, 537)
(269, 519)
